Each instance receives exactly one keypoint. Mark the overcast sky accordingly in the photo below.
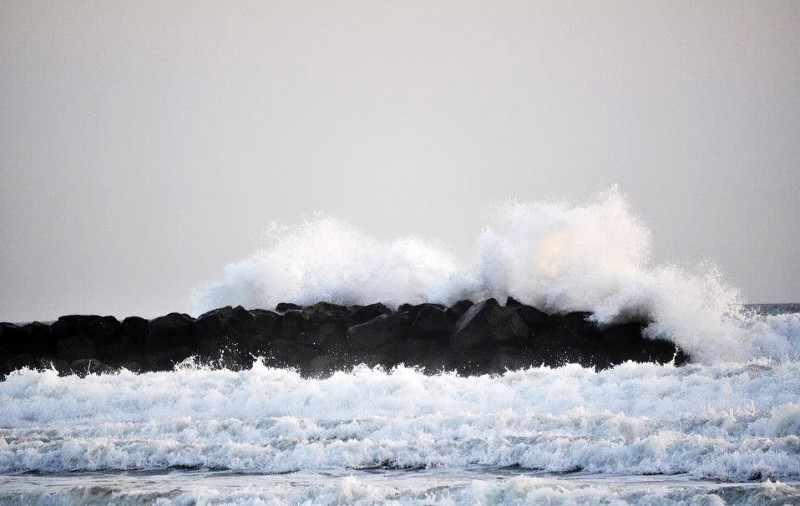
(146, 144)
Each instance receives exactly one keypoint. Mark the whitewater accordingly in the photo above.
(724, 429)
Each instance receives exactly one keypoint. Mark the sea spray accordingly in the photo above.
(592, 257)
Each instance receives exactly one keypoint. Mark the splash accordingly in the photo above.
(593, 257)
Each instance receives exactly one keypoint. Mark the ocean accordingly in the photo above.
(724, 433)
(724, 429)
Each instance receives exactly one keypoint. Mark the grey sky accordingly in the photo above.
(144, 145)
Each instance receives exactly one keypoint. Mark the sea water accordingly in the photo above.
(724, 429)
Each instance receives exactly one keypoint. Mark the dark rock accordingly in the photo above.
(264, 323)
(76, 347)
(411, 312)
(104, 327)
(4, 356)
(292, 325)
(118, 350)
(214, 322)
(73, 325)
(84, 367)
(622, 335)
(21, 361)
(366, 313)
(131, 366)
(282, 307)
(323, 366)
(403, 308)
(37, 340)
(659, 351)
(535, 319)
(512, 302)
(174, 329)
(165, 359)
(321, 338)
(378, 333)
(508, 360)
(487, 321)
(136, 328)
(60, 366)
(323, 313)
(430, 320)
(566, 344)
(291, 353)
(240, 320)
(432, 356)
(455, 311)
(15, 338)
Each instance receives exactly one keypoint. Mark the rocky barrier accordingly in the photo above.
(469, 338)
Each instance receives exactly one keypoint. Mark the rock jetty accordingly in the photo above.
(469, 338)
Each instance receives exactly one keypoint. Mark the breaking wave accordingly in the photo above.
(556, 257)
(635, 419)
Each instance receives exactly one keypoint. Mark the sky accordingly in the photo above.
(145, 145)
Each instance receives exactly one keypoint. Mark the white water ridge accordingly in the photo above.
(728, 421)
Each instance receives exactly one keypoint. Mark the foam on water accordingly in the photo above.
(559, 258)
(728, 421)
(429, 488)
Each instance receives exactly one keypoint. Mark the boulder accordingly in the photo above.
(14, 338)
(264, 323)
(485, 322)
(282, 307)
(212, 323)
(23, 360)
(379, 333)
(104, 327)
(136, 328)
(323, 313)
(84, 367)
(60, 366)
(174, 329)
(455, 311)
(430, 321)
(362, 314)
(76, 348)
(535, 319)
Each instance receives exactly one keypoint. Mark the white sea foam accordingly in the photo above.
(591, 257)
(729, 421)
(428, 488)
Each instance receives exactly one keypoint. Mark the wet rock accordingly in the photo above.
(104, 327)
(379, 333)
(21, 361)
(431, 321)
(136, 328)
(535, 319)
(14, 338)
(320, 338)
(364, 314)
(455, 311)
(84, 367)
(76, 347)
(323, 313)
(213, 323)
(174, 329)
(282, 307)
(60, 366)
(487, 321)
(264, 323)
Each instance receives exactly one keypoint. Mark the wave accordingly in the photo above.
(731, 421)
(370, 489)
(593, 257)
